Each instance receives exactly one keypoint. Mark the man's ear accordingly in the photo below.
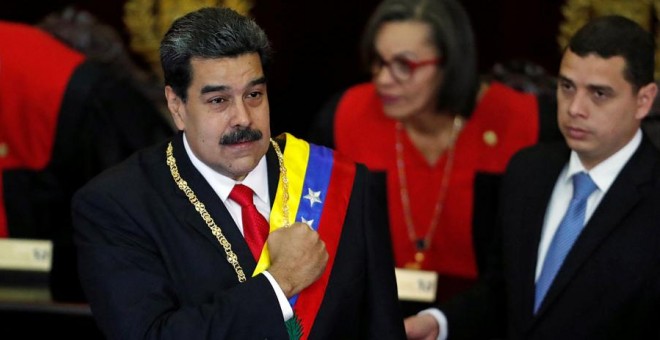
(176, 106)
(645, 98)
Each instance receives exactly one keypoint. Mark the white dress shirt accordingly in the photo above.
(257, 180)
(602, 174)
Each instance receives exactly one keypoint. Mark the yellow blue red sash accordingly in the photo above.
(318, 197)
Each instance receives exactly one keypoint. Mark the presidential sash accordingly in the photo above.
(318, 197)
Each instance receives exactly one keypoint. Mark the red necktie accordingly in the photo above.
(255, 226)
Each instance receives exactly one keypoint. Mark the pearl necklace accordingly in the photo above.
(423, 243)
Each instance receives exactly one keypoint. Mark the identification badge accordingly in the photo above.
(26, 254)
(416, 285)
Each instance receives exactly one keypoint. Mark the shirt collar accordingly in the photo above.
(257, 179)
(604, 173)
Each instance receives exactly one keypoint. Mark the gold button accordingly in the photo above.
(490, 138)
(4, 150)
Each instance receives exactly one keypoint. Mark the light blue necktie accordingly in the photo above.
(569, 229)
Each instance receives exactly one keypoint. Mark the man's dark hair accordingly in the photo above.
(614, 35)
(451, 33)
(208, 33)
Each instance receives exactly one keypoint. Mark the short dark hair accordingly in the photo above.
(451, 34)
(211, 32)
(614, 35)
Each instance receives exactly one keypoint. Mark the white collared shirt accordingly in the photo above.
(602, 174)
(257, 180)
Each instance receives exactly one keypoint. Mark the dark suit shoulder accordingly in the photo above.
(539, 156)
(131, 173)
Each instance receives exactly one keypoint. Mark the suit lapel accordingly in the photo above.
(621, 198)
(537, 196)
(215, 208)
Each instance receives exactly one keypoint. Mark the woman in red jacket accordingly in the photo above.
(435, 130)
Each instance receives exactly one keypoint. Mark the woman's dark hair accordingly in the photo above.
(451, 34)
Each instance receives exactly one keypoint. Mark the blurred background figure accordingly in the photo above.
(439, 133)
(64, 117)
(102, 43)
(524, 76)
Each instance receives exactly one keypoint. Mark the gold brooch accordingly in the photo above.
(4, 150)
(490, 138)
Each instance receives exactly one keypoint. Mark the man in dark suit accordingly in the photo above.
(169, 245)
(587, 266)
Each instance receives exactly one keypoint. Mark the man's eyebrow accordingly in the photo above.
(591, 87)
(563, 78)
(600, 88)
(220, 88)
(258, 81)
(214, 88)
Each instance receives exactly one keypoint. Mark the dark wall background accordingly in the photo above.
(316, 42)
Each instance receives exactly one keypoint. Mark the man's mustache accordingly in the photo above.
(241, 136)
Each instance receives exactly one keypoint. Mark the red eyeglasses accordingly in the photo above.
(401, 68)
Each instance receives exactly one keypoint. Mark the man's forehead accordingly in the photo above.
(592, 67)
(227, 73)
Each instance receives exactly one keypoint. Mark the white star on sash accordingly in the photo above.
(313, 196)
(309, 223)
